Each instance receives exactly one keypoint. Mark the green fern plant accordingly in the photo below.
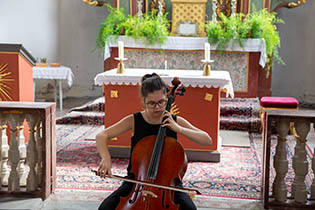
(263, 26)
(237, 27)
(111, 26)
(151, 29)
(229, 28)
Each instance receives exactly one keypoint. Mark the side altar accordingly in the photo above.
(244, 63)
(200, 104)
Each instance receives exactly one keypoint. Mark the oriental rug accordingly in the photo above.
(237, 175)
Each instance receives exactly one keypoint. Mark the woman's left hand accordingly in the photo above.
(170, 122)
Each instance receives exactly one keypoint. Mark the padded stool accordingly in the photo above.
(269, 102)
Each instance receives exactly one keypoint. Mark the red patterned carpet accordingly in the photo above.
(237, 175)
(239, 178)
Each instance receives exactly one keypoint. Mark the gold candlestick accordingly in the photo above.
(207, 67)
(121, 66)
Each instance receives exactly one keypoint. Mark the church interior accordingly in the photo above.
(69, 69)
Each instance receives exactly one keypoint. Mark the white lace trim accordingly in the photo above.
(193, 78)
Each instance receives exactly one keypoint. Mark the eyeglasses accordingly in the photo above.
(160, 103)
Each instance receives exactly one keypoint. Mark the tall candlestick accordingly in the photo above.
(120, 49)
(207, 51)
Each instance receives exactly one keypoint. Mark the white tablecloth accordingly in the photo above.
(58, 73)
(192, 43)
(192, 78)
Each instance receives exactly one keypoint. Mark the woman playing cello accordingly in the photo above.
(143, 124)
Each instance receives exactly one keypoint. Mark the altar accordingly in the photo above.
(244, 63)
(200, 105)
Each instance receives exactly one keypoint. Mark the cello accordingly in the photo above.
(155, 177)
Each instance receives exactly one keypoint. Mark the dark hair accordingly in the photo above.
(150, 83)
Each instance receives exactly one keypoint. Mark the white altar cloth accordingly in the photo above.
(191, 43)
(192, 78)
(57, 73)
(54, 73)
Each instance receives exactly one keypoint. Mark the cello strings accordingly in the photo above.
(157, 153)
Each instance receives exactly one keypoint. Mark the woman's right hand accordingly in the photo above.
(105, 167)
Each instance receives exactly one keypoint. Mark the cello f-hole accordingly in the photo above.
(164, 205)
(135, 194)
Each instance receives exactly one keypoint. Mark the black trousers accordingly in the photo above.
(112, 201)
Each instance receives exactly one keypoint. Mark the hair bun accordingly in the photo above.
(146, 76)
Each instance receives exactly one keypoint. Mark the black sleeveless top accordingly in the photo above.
(143, 129)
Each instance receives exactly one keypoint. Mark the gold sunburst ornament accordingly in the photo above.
(5, 79)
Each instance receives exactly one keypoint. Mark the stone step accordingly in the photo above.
(240, 123)
(248, 107)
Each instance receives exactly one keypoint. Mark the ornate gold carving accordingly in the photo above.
(5, 89)
(189, 10)
(174, 109)
(155, 5)
(296, 4)
(114, 93)
(13, 112)
(94, 3)
(224, 6)
(208, 97)
(114, 139)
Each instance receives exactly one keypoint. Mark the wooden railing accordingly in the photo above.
(300, 197)
(27, 149)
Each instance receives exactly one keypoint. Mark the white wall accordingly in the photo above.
(64, 31)
(297, 50)
(31, 23)
(78, 29)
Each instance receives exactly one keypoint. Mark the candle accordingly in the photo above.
(120, 49)
(207, 51)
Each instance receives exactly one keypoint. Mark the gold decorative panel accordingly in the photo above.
(114, 93)
(191, 11)
(5, 79)
(208, 97)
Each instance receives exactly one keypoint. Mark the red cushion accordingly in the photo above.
(279, 102)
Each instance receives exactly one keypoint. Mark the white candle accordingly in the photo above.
(207, 51)
(120, 49)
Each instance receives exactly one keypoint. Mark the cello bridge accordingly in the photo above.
(145, 193)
